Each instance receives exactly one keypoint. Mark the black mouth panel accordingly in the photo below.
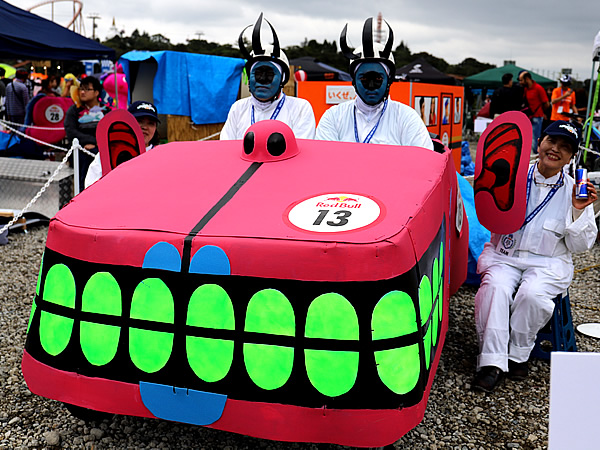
(344, 345)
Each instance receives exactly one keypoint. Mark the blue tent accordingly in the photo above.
(26, 35)
(202, 87)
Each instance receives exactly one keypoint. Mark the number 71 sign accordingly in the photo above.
(334, 212)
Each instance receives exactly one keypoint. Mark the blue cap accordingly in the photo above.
(569, 131)
(143, 109)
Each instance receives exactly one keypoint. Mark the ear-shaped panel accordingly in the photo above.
(269, 141)
(119, 138)
(501, 168)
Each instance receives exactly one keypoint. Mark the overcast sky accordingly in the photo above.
(541, 35)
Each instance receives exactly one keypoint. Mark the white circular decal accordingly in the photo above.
(460, 207)
(335, 212)
(445, 139)
(54, 114)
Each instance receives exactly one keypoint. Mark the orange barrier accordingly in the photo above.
(440, 106)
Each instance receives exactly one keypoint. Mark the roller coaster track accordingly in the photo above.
(76, 23)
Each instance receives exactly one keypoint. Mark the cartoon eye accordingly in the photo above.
(122, 143)
(249, 142)
(275, 144)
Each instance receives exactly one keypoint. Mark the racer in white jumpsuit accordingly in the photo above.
(268, 71)
(295, 112)
(372, 117)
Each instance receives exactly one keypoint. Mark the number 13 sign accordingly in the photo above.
(334, 212)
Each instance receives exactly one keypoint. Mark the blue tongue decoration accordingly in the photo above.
(170, 402)
(182, 405)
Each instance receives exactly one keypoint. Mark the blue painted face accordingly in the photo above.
(371, 81)
(265, 80)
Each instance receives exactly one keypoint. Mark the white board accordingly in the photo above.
(574, 401)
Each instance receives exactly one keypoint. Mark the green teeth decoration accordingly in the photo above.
(441, 283)
(436, 281)
(152, 300)
(331, 316)
(55, 331)
(269, 312)
(37, 293)
(210, 307)
(102, 295)
(395, 316)
(425, 303)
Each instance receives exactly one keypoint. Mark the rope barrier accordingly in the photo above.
(45, 144)
(210, 137)
(583, 147)
(35, 127)
(75, 146)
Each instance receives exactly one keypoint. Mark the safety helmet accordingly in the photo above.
(272, 53)
(370, 51)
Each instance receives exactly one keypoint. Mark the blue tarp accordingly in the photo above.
(26, 35)
(7, 140)
(467, 167)
(202, 87)
(478, 235)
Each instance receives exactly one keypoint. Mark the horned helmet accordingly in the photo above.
(370, 51)
(272, 53)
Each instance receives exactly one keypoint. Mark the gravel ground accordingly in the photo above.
(515, 416)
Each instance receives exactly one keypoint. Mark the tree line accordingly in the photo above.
(325, 52)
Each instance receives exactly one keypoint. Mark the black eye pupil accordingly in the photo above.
(249, 142)
(276, 144)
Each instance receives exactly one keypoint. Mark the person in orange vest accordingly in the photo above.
(563, 100)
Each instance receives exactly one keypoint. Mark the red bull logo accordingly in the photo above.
(342, 199)
(339, 202)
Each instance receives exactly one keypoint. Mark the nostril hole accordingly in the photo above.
(249, 142)
(276, 144)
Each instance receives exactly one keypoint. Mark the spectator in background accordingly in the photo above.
(2, 85)
(69, 81)
(485, 109)
(47, 90)
(581, 97)
(81, 121)
(2, 92)
(3, 78)
(507, 97)
(563, 100)
(17, 97)
(538, 102)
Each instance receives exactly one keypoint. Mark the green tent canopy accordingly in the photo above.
(492, 78)
(10, 70)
